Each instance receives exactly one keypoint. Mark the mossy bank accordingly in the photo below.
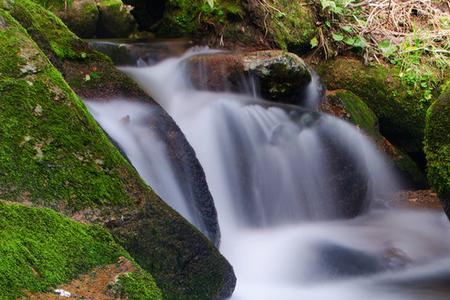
(437, 147)
(41, 249)
(57, 156)
(401, 116)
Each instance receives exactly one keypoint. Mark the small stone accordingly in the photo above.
(125, 119)
(37, 111)
(28, 69)
(39, 154)
(63, 293)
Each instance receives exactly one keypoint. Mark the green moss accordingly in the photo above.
(53, 4)
(115, 20)
(292, 26)
(355, 110)
(80, 16)
(187, 17)
(359, 113)
(41, 249)
(73, 58)
(46, 27)
(138, 286)
(41, 115)
(401, 116)
(54, 154)
(437, 145)
(286, 24)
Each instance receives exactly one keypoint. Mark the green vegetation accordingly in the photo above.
(186, 17)
(138, 286)
(71, 55)
(115, 20)
(41, 249)
(401, 116)
(413, 35)
(62, 168)
(60, 41)
(349, 106)
(437, 146)
(54, 154)
(358, 111)
(291, 24)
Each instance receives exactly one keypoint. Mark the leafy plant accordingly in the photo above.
(414, 35)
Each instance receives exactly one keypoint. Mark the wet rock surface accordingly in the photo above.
(280, 76)
(346, 105)
(437, 146)
(337, 262)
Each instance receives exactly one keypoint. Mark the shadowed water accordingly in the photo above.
(282, 178)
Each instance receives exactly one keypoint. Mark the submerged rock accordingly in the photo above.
(80, 173)
(337, 262)
(280, 76)
(348, 179)
(348, 106)
(340, 262)
(437, 147)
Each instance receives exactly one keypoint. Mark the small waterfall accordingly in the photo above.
(272, 164)
(285, 181)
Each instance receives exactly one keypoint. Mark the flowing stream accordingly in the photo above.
(282, 178)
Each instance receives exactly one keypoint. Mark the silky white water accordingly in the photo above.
(274, 175)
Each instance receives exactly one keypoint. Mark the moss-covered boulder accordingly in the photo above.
(41, 249)
(115, 20)
(401, 115)
(89, 73)
(94, 18)
(437, 147)
(93, 76)
(288, 24)
(81, 16)
(348, 106)
(281, 76)
(55, 155)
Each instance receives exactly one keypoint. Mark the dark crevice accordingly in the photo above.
(147, 13)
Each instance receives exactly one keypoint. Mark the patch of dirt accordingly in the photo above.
(419, 199)
(96, 285)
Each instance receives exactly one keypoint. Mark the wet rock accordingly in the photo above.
(437, 146)
(136, 53)
(401, 116)
(340, 262)
(337, 262)
(81, 16)
(69, 176)
(115, 19)
(348, 179)
(281, 76)
(348, 106)
(418, 199)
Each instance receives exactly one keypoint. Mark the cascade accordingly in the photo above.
(303, 198)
